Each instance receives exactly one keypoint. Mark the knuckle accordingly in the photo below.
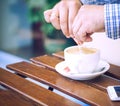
(52, 19)
(75, 4)
(63, 22)
(65, 32)
(63, 4)
(57, 27)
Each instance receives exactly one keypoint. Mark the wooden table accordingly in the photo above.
(16, 90)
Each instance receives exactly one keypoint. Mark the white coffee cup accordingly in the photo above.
(81, 59)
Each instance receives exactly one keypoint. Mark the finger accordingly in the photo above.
(72, 14)
(47, 15)
(76, 30)
(89, 38)
(64, 21)
(78, 42)
(76, 25)
(81, 34)
(54, 19)
(84, 36)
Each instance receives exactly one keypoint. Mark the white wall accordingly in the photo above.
(110, 49)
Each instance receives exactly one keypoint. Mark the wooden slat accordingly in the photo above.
(50, 62)
(25, 68)
(47, 61)
(43, 60)
(114, 70)
(59, 54)
(80, 90)
(32, 91)
(12, 98)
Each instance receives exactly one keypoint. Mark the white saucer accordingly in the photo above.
(102, 67)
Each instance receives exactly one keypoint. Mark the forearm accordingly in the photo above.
(80, 1)
(112, 20)
(111, 16)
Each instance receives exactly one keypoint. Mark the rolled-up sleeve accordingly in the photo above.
(112, 20)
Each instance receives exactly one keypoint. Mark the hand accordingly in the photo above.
(89, 19)
(62, 15)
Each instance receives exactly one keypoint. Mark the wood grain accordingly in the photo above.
(11, 98)
(87, 91)
(32, 91)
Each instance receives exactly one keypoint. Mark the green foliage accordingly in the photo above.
(36, 9)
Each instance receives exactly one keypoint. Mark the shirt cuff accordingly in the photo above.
(112, 20)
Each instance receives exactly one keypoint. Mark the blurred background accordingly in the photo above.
(24, 32)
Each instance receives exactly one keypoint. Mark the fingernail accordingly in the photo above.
(74, 33)
(75, 40)
(72, 36)
(80, 43)
(67, 36)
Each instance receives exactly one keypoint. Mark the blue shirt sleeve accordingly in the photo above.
(112, 20)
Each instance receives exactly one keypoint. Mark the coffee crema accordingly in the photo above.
(84, 50)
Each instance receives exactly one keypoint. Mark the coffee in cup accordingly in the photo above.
(81, 59)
